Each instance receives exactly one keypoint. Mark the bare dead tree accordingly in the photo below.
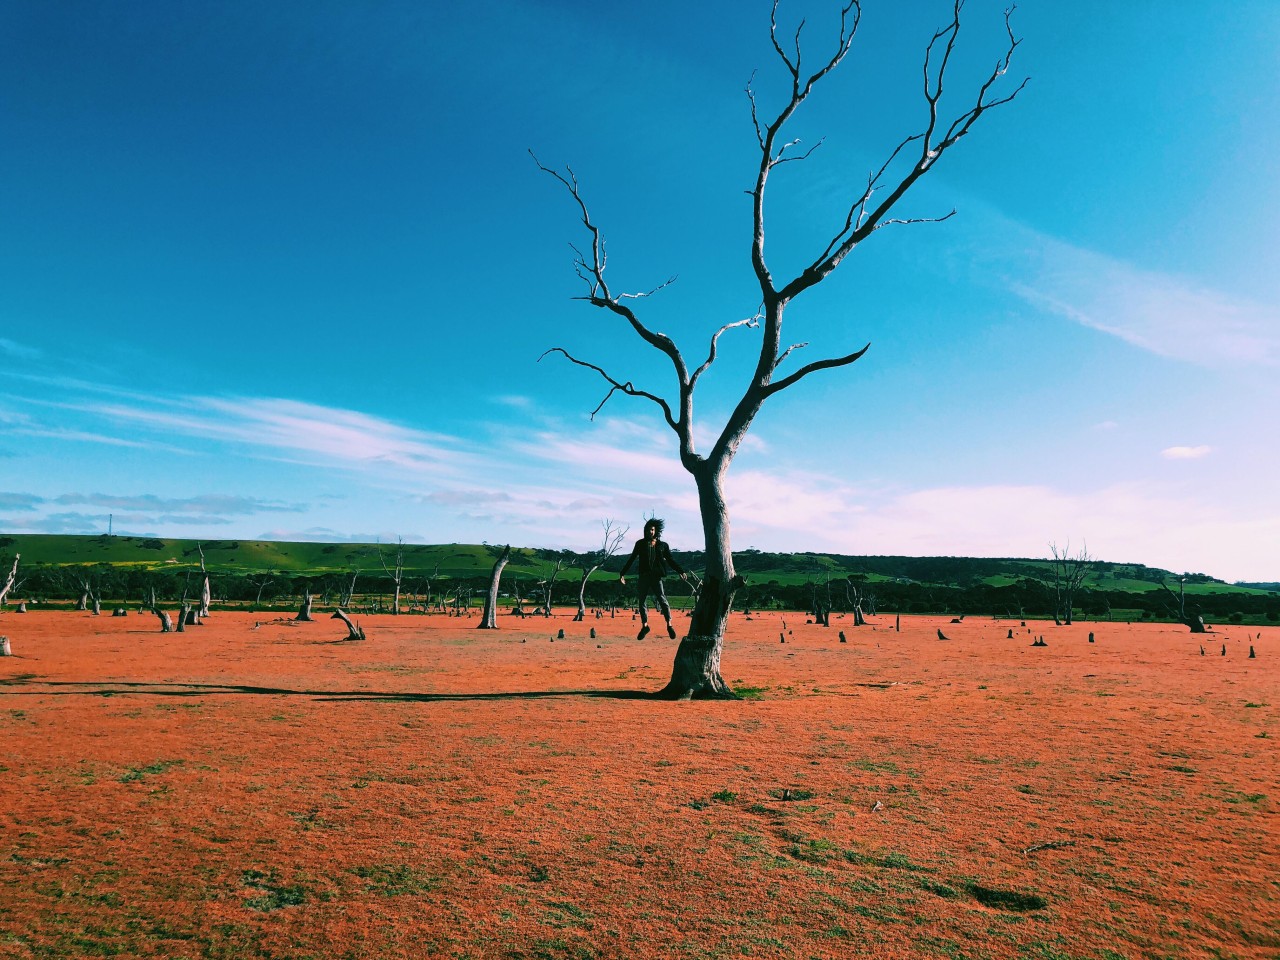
(696, 671)
(10, 580)
(349, 590)
(857, 597)
(591, 562)
(549, 584)
(166, 624)
(1069, 571)
(263, 582)
(1193, 622)
(206, 595)
(304, 609)
(489, 621)
(354, 630)
(397, 578)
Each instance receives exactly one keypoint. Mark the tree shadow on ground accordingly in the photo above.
(115, 688)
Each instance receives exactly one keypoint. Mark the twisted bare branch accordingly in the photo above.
(615, 386)
(787, 352)
(753, 322)
(809, 368)
(862, 219)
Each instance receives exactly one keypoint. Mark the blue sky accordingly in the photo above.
(286, 271)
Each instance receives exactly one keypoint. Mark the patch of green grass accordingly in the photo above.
(724, 796)
(872, 766)
(562, 915)
(1011, 900)
(1180, 768)
(395, 879)
(160, 766)
(750, 693)
(939, 889)
(1238, 797)
(275, 896)
(811, 851)
(891, 861)
(791, 793)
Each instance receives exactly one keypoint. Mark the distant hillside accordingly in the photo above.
(55, 565)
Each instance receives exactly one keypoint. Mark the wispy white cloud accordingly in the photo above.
(20, 501)
(18, 351)
(1185, 453)
(201, 506)
(285, 428)
(1161, 313)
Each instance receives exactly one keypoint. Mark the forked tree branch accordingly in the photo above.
(598, 293)
(808, 368)
(862, 219)
(615, 386)
(711, 354)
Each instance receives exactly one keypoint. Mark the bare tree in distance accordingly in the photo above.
(490, 619)
(1069, 571)
(10, 580)
(397, 577)
(593, 561)
(696, 672)
(548, 585)
(1193, 623)
(206, 595)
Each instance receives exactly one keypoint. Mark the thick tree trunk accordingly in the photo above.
(490, 619)
(304, 611)
(206, 596)
(696, 671)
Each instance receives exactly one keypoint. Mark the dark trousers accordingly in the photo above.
(652, 587)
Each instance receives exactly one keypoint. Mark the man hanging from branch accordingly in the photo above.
(654, 557)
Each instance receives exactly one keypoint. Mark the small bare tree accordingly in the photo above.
(549, 584)
(304, 608)
(264, 580)
(397, 577)
(166, 623)
(206, 595)
(1069, 571)
(10, 580)
(349, 590)
(490, 619)
(593, 561)
(1193, 622)
(696, 671)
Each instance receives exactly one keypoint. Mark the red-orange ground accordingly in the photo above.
(241, 791)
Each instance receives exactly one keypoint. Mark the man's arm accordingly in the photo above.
(635, 552)
(666, 555)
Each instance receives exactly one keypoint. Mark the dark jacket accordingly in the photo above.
(653, 561)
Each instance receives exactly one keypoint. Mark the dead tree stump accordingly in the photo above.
(354, 631)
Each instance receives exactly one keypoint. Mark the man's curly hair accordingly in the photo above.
(656, 524)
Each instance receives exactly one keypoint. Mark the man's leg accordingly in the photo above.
(642, 589)
(660, 597)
